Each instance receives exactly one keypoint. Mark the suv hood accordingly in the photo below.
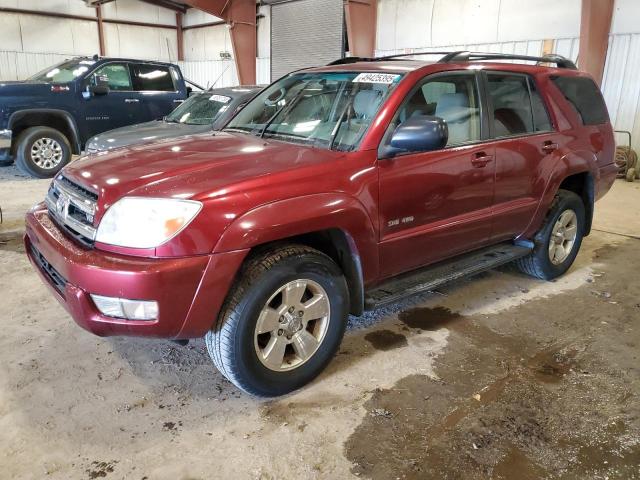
(191, 167)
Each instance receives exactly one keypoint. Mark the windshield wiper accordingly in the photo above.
(334, 134)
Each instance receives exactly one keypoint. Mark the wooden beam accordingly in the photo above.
(595, 26)
(180, 36)
(100, 31)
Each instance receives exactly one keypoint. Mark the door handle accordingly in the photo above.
(178, 101)
(480, 160)
(549, 147)
(131, 100)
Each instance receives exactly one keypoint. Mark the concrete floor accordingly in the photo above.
(500, 376)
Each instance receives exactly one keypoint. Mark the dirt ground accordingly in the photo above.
(499, 376)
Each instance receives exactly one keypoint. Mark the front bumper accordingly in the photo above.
(189, 290)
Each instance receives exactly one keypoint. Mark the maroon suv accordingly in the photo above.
(336, 190)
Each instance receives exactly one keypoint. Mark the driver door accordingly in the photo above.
(118, 108)
(437, 204)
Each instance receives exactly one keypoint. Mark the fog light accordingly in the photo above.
(125, 308)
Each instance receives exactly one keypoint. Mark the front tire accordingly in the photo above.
(282, 323)
(42, 152)
(558, 241)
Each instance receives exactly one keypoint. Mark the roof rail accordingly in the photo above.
(464, 56)
(559, 60)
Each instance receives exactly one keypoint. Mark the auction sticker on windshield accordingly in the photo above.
(387, 78)
(220, 98)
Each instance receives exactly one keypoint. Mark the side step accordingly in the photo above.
(433, 276)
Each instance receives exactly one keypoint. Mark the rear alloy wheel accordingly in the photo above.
(283, 321)
(42, 152)
(558, 241)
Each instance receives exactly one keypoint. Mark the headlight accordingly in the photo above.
(139, 222)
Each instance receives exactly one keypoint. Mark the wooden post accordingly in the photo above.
(595, 26)
(180, 34)
(100, 31)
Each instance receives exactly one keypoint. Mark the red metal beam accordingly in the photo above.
(240, 15)
(595, 25)
(180, 36)
(100, 30)
(361, 17)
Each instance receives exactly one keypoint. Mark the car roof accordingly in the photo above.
(383, 66)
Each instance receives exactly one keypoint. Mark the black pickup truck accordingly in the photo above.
(50, 116)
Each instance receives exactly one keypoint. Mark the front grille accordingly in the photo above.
(57, 280)
(72, 207)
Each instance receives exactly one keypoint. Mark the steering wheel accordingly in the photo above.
(281, 93)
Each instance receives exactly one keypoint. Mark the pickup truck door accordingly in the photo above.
(159, 87)
(118, 108)
(434, 205)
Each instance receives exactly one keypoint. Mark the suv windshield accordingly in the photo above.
(332, 110)
(200, 109)
(63, 72)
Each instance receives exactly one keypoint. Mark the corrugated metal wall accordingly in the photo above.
(621, 85)
(21, 65)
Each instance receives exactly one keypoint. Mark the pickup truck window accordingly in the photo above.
(330, 110)
(200, 109)
(116, 75)
(155, 78)
(64, 72)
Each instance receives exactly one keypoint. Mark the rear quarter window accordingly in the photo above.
(585, 97)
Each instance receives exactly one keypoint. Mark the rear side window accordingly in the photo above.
(512, 112)
(585, 97)
(152, 78)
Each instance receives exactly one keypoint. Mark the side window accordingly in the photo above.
(541, 121)
(453, 98)
(154, 78)
(512, 113)
(116, 75)
(584, 95)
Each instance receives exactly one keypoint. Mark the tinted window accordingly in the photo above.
(152, 78)
(512, 113)
(116, 75)
(584, 95)
(454, 99)
(541, 120)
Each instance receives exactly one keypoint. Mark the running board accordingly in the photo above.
(428, 278)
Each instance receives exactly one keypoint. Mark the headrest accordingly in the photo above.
(453, 107)
(366, 103)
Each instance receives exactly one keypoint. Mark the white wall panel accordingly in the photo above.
(626, 17)
(468, 21)
(72, 7)
(134, 10)
(264, 32)
(621, 85)
(198, 17)
(140, 42)
(206, 43)
(219, 73)
(537, 19)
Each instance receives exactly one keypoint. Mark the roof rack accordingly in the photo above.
(464, 56)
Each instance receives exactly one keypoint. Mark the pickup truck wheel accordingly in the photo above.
(558, 241)
(282, 323)
(42, 152)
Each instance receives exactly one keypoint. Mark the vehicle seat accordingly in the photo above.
(454, 109)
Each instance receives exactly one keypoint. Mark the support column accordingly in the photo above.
(100, 30)
(240, 15)
(180, 35)
(361, 17)
(595, 25)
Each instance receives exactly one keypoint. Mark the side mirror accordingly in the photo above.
(100, 89)
(422, 133)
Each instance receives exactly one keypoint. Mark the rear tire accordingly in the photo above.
(42, 152)
(556, 247)
(263, 317)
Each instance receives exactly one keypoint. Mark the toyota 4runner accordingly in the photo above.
(336, 190)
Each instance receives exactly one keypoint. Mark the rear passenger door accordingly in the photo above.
(437, 204)
(520, 123)
(157, 90)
